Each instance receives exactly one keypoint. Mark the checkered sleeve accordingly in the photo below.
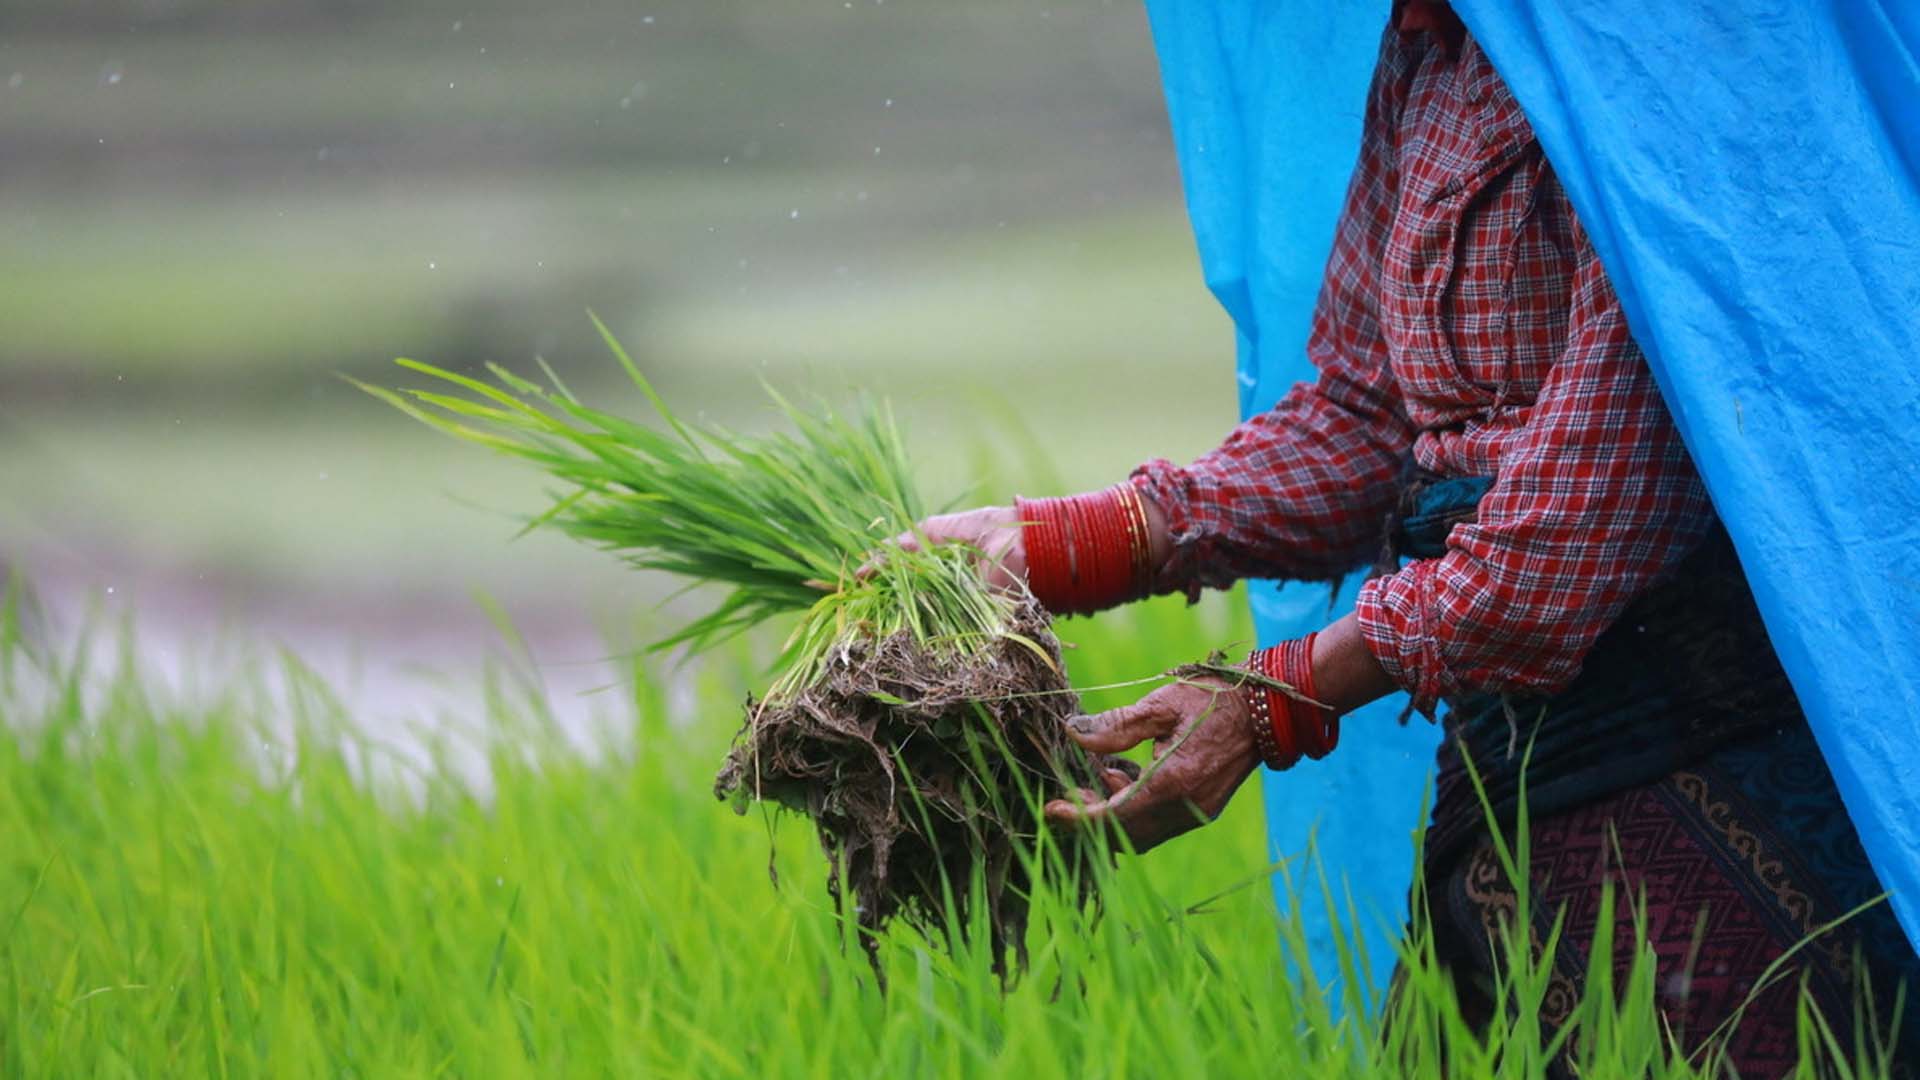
(1300, 491)
(1594, 502)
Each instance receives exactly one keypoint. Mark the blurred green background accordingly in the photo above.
(210, 207)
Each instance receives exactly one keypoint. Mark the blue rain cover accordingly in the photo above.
(1749, 171)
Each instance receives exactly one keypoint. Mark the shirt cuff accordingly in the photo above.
(1396, 620)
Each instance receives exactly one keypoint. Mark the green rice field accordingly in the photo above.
(244, 881)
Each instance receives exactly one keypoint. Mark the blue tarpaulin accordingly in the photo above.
(1749, 172)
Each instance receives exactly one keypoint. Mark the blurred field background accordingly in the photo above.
(209, 208)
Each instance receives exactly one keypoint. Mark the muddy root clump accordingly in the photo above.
(916, 768)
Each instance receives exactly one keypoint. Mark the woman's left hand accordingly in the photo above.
(1203, 750)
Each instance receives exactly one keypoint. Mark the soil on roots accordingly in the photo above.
(918, 768)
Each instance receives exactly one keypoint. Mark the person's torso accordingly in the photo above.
(1478, 271)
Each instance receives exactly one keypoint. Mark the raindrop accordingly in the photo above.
(15, 81)
(433, 265)
(793, 215)
(647, 19)
(457, 24)
(889, 103)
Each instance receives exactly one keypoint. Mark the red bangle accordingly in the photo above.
(1297, 727)
(1316, 728)
(1088, 552)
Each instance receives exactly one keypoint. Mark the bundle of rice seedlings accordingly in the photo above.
(916, 714)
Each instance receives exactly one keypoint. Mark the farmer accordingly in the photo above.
(1486, 436)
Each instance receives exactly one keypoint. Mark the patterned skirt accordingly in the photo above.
(1678, 766)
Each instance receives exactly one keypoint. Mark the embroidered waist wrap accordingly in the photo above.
(1686, 670)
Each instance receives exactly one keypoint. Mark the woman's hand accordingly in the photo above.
(1203, 750)
(994, 530)
(1000, 536)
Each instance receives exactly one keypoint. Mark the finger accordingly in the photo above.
(906, 541)
(1115, 780)
(1088, 810)
(1123, 728)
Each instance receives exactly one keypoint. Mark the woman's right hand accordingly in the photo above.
(994, 530)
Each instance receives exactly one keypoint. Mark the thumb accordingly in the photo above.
(1124, 728)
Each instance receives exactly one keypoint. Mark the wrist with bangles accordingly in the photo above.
(1087, 553)
(1292, 723)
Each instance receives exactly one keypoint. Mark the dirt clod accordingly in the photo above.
(917, 768)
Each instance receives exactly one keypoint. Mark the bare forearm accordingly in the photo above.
(1345, 672)
(1159, 536)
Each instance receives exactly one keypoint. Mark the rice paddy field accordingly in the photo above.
(243, 881)
(307, 768)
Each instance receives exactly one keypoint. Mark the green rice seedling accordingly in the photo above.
(888, 677)
(228, 883)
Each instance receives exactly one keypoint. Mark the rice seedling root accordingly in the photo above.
(918, 766)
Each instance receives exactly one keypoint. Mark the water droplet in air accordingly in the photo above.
(433, 266)
(793, 215)
(15, 81)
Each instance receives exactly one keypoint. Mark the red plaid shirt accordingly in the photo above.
(1464, 321)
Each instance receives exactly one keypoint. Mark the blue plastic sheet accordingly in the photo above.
(1749, 171)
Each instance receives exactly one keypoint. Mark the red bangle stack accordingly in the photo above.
(1086, 553)
(1287, 726)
